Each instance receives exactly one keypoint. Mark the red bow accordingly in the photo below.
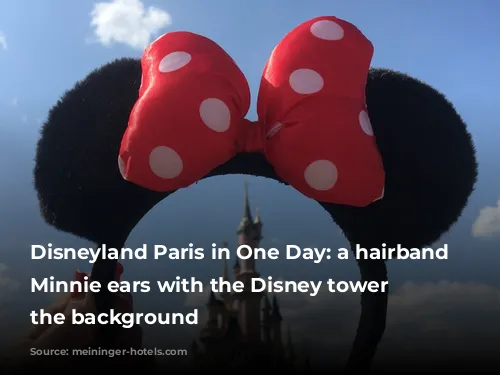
(313, 123)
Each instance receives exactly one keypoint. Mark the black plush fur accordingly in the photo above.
(429, 159)
(428, 155)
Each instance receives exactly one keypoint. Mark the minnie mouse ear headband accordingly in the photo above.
(313, 124)
(429, 157)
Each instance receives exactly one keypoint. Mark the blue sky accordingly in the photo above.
(48, 45)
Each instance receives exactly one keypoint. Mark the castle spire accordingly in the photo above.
(246, 221)
(258, 220)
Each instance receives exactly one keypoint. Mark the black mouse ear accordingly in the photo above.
(429, 159)
(77, 178)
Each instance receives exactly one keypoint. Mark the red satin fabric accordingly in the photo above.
(313, 123)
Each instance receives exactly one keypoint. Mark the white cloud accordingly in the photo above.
(3, 41)
(442, 316)
(8, 286)
(487, 224)
(127, 22)
(14, 102)
(24, 118)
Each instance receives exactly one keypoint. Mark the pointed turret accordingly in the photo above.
(257, 220)
(246, 221)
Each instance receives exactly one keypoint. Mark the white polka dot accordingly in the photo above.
(165, 162)
(174, 61)
(122, 167)
(306, 81)
(321, 175)
(215, 114)
(327, 30)
(365, 123)
(381, 195)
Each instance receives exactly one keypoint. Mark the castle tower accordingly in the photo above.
(249, 303)
(258, 221)
(243, 330)
(249, 233)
